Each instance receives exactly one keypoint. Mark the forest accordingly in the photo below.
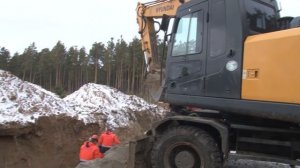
(63, 70)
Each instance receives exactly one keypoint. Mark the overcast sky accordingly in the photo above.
(75, 22)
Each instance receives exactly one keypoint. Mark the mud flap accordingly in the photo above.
(139, 153)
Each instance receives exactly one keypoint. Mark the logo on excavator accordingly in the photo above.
(164, 8)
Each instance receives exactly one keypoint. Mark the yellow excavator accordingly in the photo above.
(232, 79)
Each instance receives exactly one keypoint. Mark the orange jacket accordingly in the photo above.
(108, 139)
(89, 151)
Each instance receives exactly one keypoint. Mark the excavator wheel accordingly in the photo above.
(185, 147)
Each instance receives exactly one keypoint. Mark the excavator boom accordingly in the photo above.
(146, 13)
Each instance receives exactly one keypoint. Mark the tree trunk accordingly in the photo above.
(133, 73)
(95, 77)
(24, 74)
(50, 81)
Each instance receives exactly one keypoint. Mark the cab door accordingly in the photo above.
(187, 53)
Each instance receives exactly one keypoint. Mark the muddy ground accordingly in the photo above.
(117, 158)
(54, 142)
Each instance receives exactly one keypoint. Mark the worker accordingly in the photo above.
(107, 140)
(89, 150)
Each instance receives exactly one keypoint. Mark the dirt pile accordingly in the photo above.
(23, 102)
(103, 104)
(129, 115)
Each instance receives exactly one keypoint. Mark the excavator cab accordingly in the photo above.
(206, 49)
(213, 62)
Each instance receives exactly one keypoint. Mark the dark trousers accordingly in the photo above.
(103, 149)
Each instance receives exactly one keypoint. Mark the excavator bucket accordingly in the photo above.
(155, 86)
(139, 153)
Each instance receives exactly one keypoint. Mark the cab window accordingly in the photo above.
(188, 36)
(261, 17)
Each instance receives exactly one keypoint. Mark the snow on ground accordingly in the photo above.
(24, 102)
(116, 107)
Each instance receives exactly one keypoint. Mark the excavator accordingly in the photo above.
(231, 77)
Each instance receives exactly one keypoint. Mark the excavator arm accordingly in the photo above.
(146, 13)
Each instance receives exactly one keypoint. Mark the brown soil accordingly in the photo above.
(53, 142)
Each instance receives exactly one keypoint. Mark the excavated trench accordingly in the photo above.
(50, 142)
(53, 142)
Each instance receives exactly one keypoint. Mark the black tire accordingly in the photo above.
(185, 147)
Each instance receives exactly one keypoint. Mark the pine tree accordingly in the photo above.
(108, 59)
(83, 61)
(121, 54)
(96, 58)
(46, 68)
(72, 67)
(59, 56)
(14, 65)
(28, 65)
(4, 58)
(139, 68)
